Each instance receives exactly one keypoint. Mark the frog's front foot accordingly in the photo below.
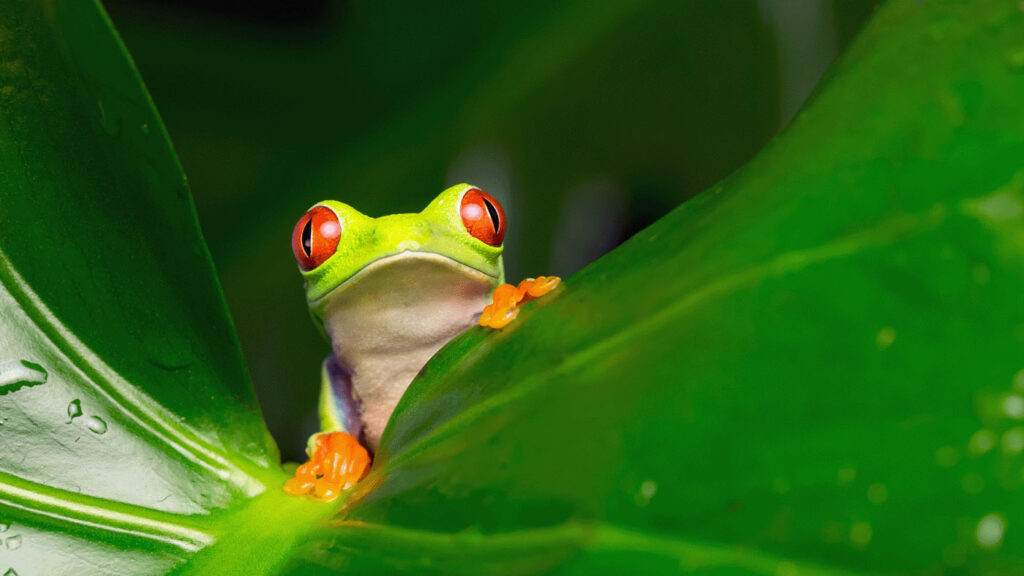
(336, 462)
(508, 298)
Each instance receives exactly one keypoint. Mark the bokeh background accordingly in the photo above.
(587, 120)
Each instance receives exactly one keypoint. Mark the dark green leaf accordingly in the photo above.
(126, 414)
(813, 368)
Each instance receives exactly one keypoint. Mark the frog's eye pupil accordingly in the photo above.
(483, 217)
(307, 238)
(315, 237)
(493, 213)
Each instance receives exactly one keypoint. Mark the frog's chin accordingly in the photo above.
(387, 320)
(393, 266)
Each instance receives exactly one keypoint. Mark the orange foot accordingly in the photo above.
(338, 461)
(507, 299)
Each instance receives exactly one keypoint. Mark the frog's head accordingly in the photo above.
(336, 245)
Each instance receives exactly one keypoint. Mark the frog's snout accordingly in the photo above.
(409, 246)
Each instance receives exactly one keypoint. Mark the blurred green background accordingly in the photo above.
(588, 120)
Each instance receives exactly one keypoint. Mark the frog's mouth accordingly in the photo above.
(407, 279)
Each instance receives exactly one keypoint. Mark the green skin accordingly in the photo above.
(395, 291)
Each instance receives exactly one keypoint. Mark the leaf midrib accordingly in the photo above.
(121, 395)
(99, 514)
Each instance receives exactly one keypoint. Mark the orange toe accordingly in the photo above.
(503, 316)
(543, 285)
(507, 295)
(297, 486)
(326, 491)
(486, 316)
(338, 462)
(507, 298)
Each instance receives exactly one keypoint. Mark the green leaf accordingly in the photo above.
(812, 368)
(126, 416)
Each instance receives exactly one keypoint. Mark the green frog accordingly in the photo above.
(388, 293)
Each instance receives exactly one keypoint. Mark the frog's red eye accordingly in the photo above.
(315, 237)
(483, 217)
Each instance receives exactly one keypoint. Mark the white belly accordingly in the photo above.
(391, 317)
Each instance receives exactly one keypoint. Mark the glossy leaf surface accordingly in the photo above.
(812, 368)
(126, 414)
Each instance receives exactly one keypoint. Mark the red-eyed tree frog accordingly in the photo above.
(388, 293)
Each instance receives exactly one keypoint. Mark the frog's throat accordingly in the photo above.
(469, 271)
(385, 325)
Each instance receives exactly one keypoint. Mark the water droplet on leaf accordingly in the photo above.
(1013, 440)
(1001, 206)
(1013, 406)
(981, 442)
(13, 543)
(96, 425)
(16, 374)
(1015, 60)
(877, 493)
(860, 534)
(74, 410)
(885, 337)
(647, 491)
(990, 530)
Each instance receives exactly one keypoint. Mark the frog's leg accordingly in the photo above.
(338, 406)
(331, 415)
(507, 299)
(336, 458)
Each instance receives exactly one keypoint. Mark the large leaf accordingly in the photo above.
(813, 368)
(126, 413)
(808, 369)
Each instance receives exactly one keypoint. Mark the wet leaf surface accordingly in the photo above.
(811, 368)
